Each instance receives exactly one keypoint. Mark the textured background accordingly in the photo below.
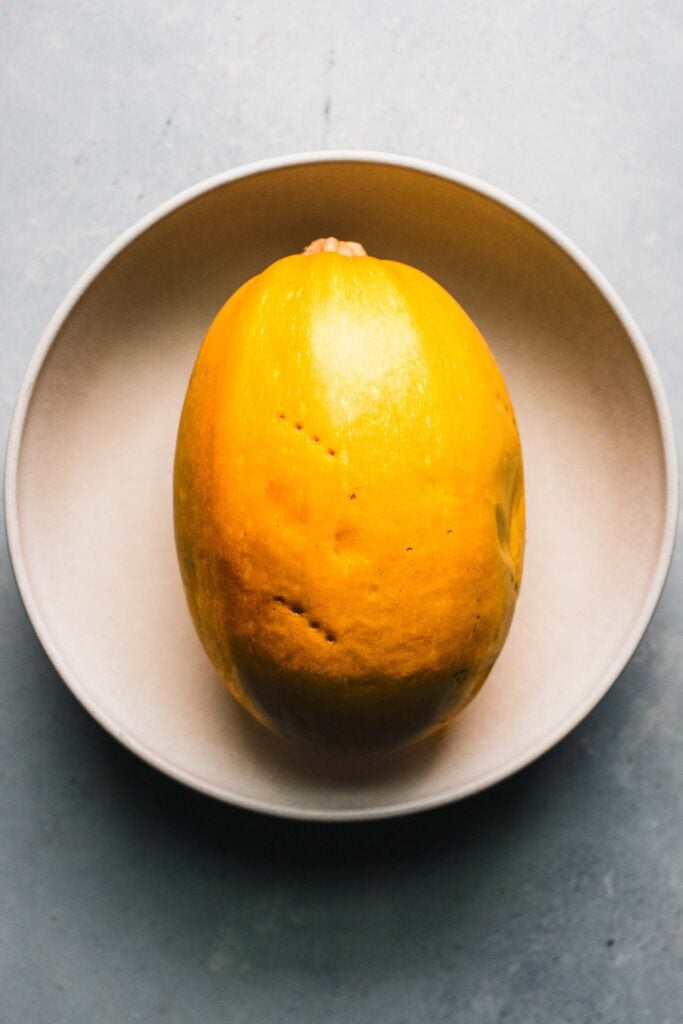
(556, 897)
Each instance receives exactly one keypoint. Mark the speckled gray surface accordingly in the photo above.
(554, 898)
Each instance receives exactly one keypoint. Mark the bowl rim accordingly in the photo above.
(264, 166)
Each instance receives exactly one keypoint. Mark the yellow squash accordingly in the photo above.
(349, 502)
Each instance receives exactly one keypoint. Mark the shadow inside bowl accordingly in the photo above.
(313, 765)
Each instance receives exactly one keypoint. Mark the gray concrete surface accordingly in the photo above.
(554, 898)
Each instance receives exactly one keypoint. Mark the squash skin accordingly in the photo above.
(349, 501)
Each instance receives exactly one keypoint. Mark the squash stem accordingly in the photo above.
(334, 245)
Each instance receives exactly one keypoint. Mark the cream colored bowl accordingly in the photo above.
(88, 479)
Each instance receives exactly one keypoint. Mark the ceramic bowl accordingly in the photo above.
(89, 468)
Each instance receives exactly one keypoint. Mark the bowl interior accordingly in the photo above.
(94, 538)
